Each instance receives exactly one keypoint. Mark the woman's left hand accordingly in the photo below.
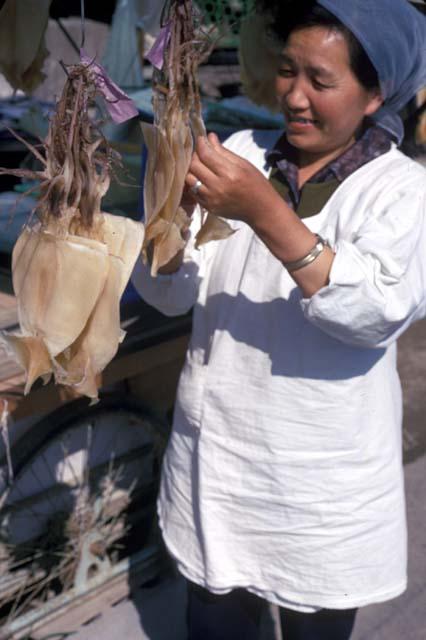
(231, 186)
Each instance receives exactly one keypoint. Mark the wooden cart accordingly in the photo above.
(77, 522)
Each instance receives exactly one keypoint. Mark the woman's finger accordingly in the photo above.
(212, 150)
(195, 187)
(201, 171)
(214, 140)
(208, 157)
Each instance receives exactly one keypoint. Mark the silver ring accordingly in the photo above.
(196, 187)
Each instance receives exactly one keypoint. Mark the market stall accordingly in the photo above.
(78, 482)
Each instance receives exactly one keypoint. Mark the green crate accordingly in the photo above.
(226, 16)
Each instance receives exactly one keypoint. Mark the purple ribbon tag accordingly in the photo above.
(120, 106)
(156, 54)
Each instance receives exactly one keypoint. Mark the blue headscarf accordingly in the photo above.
(393, 35)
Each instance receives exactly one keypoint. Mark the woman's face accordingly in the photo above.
(322, 100)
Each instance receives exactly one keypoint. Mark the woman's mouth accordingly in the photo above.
(298, 123)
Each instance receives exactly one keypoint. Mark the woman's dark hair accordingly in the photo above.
(292, 15)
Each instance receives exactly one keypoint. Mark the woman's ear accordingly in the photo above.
(374, 103)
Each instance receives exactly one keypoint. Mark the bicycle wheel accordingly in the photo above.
(80, 512)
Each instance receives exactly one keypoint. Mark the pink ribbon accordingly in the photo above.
(156, 54)
(119, 105)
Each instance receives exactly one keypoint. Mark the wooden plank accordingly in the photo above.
(12, 583)
(143, 362)
(11, 374)
(7, 300)
(72, 609)
(8, 318)
(8, 311)
(46, 399)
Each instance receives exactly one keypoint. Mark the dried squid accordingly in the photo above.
(71, 266)
(175, 55)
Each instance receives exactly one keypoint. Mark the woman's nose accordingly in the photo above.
(296, 97)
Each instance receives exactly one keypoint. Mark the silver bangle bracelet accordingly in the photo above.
(310, 257)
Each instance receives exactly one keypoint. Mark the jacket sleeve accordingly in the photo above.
(377, 283)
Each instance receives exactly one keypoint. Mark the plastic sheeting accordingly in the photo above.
(122, 58)
(22, 47)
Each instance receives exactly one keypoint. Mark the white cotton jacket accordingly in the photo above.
(283, 473)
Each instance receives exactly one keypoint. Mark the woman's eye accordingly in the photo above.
(320, 85)
(286, 73)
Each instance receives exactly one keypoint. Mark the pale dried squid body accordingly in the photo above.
(170, 141)
(159, 171)
(169, 157)
(173, 218)
(68, 291)
(57, 281)
(168, 164)
(97, 344)
(70, 269)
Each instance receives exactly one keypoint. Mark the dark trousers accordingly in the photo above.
(236, 616)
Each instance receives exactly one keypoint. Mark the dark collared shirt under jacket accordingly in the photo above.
(315, 193)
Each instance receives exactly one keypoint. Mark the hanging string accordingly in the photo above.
(71, 41)
(83, 27)
(166, 12)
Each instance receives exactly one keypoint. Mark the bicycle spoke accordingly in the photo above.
(65, 451)
(23, 497)
(49, 468)
(47, 494)
(84, 488)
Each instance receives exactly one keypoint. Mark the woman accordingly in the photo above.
(283, 477)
